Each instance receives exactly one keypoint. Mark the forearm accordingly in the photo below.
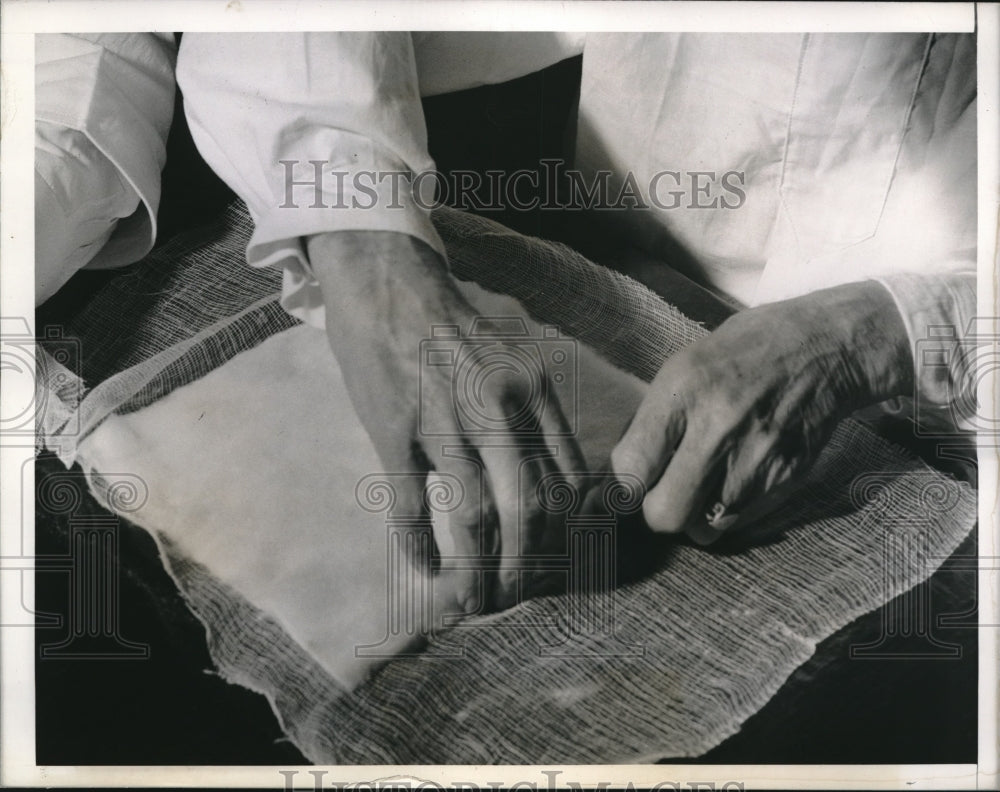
(368, 283)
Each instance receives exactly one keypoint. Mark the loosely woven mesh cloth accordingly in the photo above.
(698, 645)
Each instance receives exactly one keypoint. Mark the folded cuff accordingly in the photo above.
(938, 312)
(279, 240)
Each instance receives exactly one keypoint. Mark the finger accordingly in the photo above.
(761, 476)
(411, 517)
(651, 438)
(472, 528)
(751, 471)
(565, 464)
(703, 534)
(543, 532)
(681, 496)
(513, 480)
(557, 434)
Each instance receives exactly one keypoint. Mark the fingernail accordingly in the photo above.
(470, 603)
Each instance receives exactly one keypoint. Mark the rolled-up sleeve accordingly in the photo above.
(316, 132)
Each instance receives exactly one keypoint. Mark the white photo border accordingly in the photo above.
(21, 19)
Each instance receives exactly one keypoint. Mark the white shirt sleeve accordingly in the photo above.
(316, 132)
(103, 107)
(80, 197)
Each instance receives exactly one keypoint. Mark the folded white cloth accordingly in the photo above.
(261, 472)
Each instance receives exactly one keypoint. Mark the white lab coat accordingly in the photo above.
(857, 151)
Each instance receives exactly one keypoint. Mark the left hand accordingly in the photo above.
(749, 407)
(384, 292)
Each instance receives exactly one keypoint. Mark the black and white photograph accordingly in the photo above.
(500, 394)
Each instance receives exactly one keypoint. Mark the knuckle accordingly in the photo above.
(625, 459)
(470, 600)
(659, 516)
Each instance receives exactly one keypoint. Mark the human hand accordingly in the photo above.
(383, 292)
(743, 412)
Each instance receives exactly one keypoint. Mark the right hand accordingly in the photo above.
(383, 291)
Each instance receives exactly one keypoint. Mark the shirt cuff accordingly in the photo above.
(118, 90)
(938, 312)
(280, 234)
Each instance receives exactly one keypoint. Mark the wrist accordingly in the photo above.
(875, 346)
(381, 286)
(355, 258)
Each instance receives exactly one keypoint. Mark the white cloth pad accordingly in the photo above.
(258, 471)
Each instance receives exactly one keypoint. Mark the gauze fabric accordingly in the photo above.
(269, 445)
(693, 649)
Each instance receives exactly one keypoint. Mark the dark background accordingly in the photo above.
(169, 708)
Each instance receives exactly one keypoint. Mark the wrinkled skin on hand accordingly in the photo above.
(383, 291)
(747, 409)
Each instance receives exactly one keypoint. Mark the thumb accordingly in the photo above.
(651, 438)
